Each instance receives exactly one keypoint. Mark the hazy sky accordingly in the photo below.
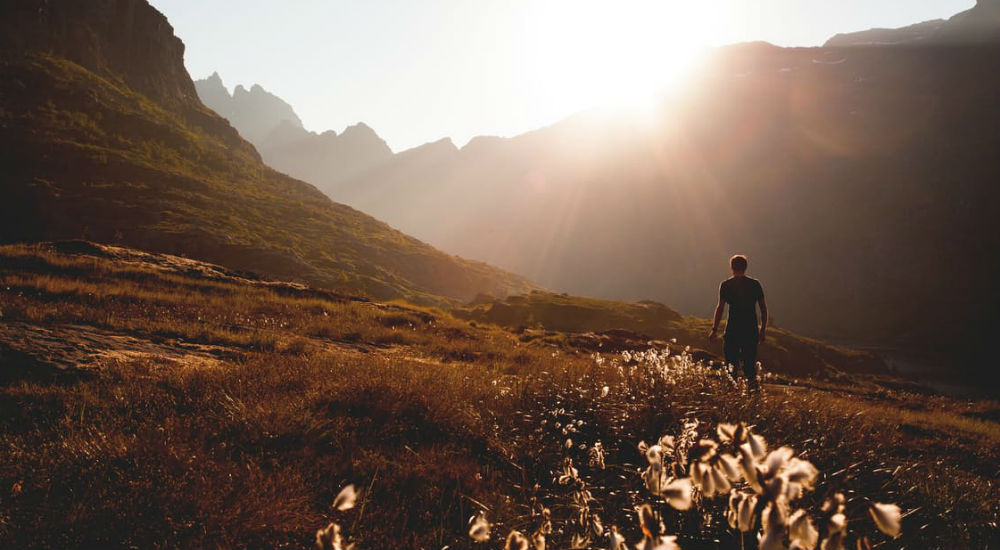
(417, 71)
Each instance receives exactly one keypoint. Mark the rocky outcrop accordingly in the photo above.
(255, 113)
(115, 38)
(323, 159)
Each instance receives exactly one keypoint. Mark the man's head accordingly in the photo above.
(739, 264)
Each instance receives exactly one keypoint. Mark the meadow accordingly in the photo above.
(154, 401)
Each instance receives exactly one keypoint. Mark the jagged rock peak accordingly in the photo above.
(127, 39)
(443, 146)
(480, 142)
(359, 129)
(212, 88)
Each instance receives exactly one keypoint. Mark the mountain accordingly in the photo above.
(102, 136)
(327, 158)
(980, 24)
(860, 180)
(254, 113)
(323, 159)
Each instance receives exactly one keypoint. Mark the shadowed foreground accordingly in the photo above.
(151, 401)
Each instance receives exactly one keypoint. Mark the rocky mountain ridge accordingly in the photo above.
(323, 159)
(977, 25)
(103, 137)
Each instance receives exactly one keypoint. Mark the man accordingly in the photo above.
(743, 294)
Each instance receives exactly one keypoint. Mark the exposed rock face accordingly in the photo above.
(255, 113)
(214, 95)
(267, 121)
(126, 38)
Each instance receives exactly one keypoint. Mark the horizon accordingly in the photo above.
(497, 70)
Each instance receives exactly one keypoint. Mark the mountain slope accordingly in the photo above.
(254, 113)
(102, 135)
(271, 124)
(861, 182)
(978, 24)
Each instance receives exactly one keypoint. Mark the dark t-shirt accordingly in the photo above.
(742, 294)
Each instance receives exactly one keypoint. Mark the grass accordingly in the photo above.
(785, 352)
(433, 419)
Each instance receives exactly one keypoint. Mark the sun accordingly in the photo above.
(582, 54)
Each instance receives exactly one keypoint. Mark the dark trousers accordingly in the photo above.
(741, 353)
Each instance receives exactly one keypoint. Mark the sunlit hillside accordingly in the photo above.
(102, 136)
(610, 326)
(155, 401)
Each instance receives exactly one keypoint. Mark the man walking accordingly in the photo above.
(743, 294)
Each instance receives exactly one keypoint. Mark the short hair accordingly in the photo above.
(738, 262)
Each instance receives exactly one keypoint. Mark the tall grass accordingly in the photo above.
(433, 421)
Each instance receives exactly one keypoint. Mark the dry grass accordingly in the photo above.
(430, 417)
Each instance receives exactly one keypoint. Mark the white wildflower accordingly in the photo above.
(758, 445)
(654, 455)
(516, 541)
(615, 539)
(329, 538)
(726, 432)
(538, 540)
(801, 472)
(479, 529)
(345, 499)
(777, 459)
(748, 466)
(730, 466)
(801, 530)
(677, 493)
(569, 474)
(720, 480)
(745, 516)
(836, 533)
(775, 517)
(887, 518)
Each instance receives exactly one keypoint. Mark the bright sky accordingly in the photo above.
(417, 71)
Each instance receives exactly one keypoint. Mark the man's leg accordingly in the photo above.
(749, 357)
(731, 349)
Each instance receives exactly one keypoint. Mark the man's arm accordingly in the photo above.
(715, 322)
(763, 316)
